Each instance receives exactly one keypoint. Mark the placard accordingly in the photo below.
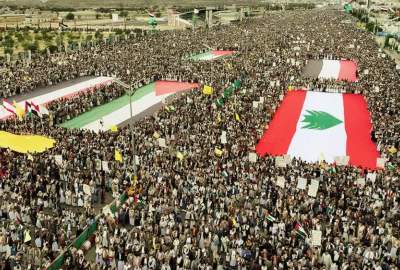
(161, 142)
(316, 237)
(58, 159)
(104, 165)
(361, 182)
(380, 163)
(280, 181)
(253, 157)
(280, 162)
(223, 137)
(301, 183)
(313, 188)
(342, 160)
(86, 189)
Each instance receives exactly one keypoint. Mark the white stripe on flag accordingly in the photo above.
(123, 114)
(330, 69)
(311, 144)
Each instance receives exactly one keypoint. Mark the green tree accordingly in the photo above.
(123, 13)
(98, 35)
(70, 16)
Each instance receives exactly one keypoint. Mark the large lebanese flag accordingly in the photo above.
(314, 125)
(340, 70)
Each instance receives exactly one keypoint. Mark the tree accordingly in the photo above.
(123, 13)
(70, 16)
(98, 35)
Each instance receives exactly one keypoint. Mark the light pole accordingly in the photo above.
(129, 90)
(132, 91)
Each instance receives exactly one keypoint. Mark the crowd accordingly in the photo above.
(204, 211)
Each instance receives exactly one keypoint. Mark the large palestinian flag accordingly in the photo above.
(341, 70)
(211, 55)
(315, 125)
(145, 101)
(48, 94)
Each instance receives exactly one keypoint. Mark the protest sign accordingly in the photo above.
(316, 236)
(301, 183)
(252, 157)
(313, 188)
(280, 162)
(161, 142)
(280, 181)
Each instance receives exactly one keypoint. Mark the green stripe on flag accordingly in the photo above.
(203, 56)
(103, 110)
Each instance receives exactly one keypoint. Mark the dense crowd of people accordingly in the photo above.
(204, 211)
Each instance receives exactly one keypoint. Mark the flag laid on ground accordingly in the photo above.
(47, 95)
(145, 101)
(300, 230)
(308, 124)
(25, 143)
(211, 55)
(341, 70)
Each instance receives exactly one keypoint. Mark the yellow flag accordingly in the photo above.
(114, 128)
(290, 88)
(27, 236)
(179, 155)
(208, 90)
(19, 111)
(118, 156)
(218, 152)
(392, 150)
(134, 180)
(237, 117)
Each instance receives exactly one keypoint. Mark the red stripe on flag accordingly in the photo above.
(348, 71)
(167, 87)
(277, 138)
(222, 53)
(360, 148)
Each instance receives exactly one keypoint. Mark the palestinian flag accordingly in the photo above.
(310, 125)
(145, 101)
(31, 108)
(211, 55)
(340, 70)
(300, 230)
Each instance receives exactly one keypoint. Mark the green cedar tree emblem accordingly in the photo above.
(320, 120)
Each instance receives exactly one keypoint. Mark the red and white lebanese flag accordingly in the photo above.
(341, 70)
(315, 125)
